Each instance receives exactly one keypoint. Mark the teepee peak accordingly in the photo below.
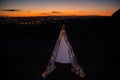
(63, 27)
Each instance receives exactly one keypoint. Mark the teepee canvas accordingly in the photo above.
(63, 53)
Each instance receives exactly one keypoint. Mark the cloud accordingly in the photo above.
(12, 10)
(55, 12)
(44, 13)
(28, 11)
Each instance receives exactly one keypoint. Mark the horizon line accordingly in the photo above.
(64, 16)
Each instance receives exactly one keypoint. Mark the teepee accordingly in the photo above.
(63, 53)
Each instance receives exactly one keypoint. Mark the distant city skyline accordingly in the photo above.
(21, 8)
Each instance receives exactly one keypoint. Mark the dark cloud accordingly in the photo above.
(12, 10)
(28, 11)
(44, 13)
(55, 12)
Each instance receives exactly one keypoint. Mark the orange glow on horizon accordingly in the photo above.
(65, 13)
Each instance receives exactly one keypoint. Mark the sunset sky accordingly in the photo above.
(58, 7)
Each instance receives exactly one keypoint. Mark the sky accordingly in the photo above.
(58, 7)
